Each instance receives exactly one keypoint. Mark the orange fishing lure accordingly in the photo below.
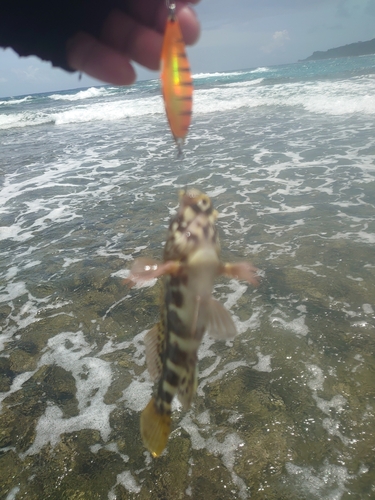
(177, 83)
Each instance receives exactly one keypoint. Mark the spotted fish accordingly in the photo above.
(191, 263)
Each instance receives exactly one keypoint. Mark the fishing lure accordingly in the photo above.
(177, 83)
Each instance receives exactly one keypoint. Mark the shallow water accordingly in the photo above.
(286, 409)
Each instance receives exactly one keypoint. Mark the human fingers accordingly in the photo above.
(154, 13)
(123, 39)
(138, 42)
(87, 54)
(189, 23)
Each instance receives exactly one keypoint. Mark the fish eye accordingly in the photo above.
(203, 203)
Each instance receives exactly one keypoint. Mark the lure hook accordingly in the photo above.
(171, 8)
(179, 144)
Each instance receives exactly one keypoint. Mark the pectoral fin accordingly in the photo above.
(144, 269)
(242, 271)
(220, 322)
(154, 341)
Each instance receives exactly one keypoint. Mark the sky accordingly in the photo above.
(236, 34)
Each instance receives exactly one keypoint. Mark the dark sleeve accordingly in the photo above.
(42, 27)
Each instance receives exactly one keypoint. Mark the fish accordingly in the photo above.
(176, 80)
(190, 265)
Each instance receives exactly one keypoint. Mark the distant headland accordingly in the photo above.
(352, 49)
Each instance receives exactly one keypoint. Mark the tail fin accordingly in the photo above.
(155, 428)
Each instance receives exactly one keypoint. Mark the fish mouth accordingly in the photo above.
(189, 196)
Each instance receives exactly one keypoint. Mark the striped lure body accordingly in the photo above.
(191, 263)
(177, 83)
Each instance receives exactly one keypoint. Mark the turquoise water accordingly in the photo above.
(89, 181)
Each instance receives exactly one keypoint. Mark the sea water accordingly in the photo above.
(89, 181)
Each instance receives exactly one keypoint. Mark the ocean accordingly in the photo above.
(89, 181)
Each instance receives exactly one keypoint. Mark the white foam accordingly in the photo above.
(102, 111)
(82, 94)
(226, 449)
(316, 382)
(128, 481)
(308, 269)
(138, 393)
(297, 325)
(353, 278)
(333, 428)
(216, 192)
(283, 209)
(264, 363)
(71, 351)
(327, 482)
(244, 84)
(238, 291)
(368, 309)
(329, 97)
(28, 313)
(252, 324)
(17, 383)
(110, 447)
(11, 273)
(68, 261)
(204, 417)
(322, 97)
(210, 75)
(261, 69)
(115, 304)
(13, 493)
(57, 215)
(32, 263)
(15, 233)
(24, 119)
(10, 102)
(136, 343)
(109, 111)
(337, 403)
(233, 365)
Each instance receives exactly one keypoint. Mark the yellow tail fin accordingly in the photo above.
(155, 428)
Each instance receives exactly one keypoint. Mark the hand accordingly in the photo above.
(132, 34)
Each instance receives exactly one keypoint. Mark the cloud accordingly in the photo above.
(31, 73)
(279, 38)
